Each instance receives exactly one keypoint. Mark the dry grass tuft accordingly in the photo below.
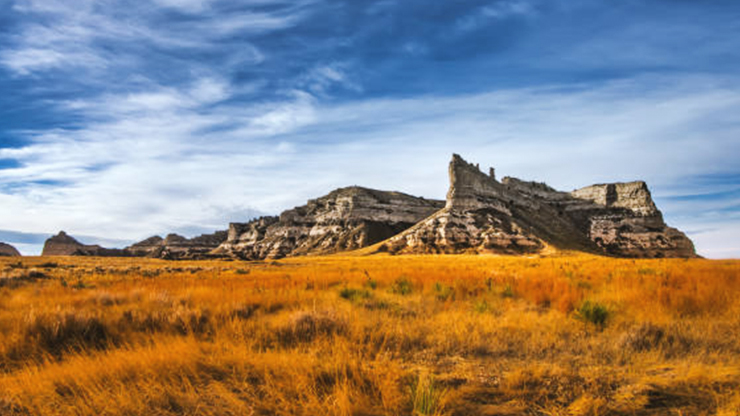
(378, 335)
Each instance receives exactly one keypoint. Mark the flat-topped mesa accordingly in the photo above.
(515, 216)
(345, 219)
(6, 250)
(623, 220)
(634, 196)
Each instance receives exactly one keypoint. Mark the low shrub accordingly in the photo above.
(57, 333)
(402, 286)
(444, 292)
(593, 312)
(354, 295)
(427, 398)
(481, 306)
(508, 292)
(305, 326)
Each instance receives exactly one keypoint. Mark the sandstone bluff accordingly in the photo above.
(480, 215)
(6, 250)
(345, 219)
(513, 216)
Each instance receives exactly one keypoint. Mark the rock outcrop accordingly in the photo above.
(177, 247)
(480, 215)
(626, 222)
(345, 219)
(65, 245)
(483, 215)
(6, 250)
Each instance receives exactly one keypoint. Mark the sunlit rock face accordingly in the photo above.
(480, 215)
(513, 216)
(345, 219)
(6, 250)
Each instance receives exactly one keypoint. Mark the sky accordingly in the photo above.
(122, 119)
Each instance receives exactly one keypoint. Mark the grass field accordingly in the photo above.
(378, 335)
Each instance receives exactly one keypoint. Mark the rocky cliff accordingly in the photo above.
(6, 250)
(345, 219)
(516, 217)
(177, 247)
(65, 245)
(480, 215)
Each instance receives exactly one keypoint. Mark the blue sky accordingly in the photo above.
(124, 119)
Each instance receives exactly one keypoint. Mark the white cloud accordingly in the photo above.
(167, 158)
(504, 9)
(286, 116)
(496, 11)
(321, 78)
(191, 6)
(68, 35)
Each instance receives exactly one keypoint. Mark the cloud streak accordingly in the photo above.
(184, 115)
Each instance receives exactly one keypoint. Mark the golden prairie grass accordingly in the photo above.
(377, 335)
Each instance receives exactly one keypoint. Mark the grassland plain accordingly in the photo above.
(373, 335)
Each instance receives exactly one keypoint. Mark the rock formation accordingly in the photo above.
(64, 245)
(177, 247)
(480, 215)
(345, 219)
(517, 217)
(6, 250)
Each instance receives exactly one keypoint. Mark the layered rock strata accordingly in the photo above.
(6, 250)
(65, 245)
(177, 247)
(173, 247)
(345, 219)
(518, 217)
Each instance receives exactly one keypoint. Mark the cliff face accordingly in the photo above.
(64, 245)
(345, 219)
(6, 250)
(517, 217)
(626, 222)
(177, 247)
(480, 215)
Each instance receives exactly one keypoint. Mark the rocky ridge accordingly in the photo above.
(177, 247)
(65, 245)
(483, 215)
(345, 219)
(6, 250)
(480, 215)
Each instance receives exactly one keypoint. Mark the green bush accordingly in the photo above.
(444, 292)
(354, 295)
(508, 292)
(427, 398)
(593, 312)
(481, 306)
(402, 286)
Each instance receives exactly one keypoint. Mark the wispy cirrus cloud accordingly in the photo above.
(95, 36)
(126, 119)
(194, 164)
